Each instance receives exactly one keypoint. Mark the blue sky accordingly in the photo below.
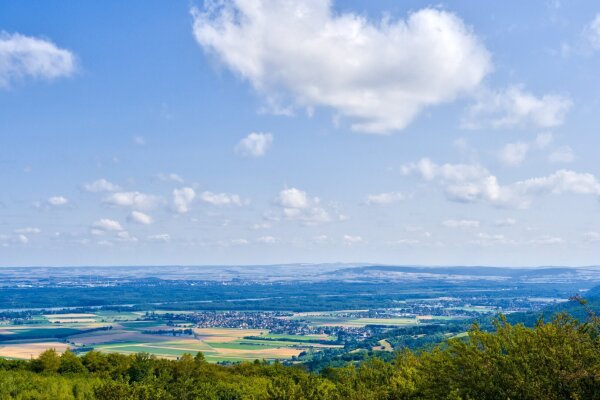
(246, 132)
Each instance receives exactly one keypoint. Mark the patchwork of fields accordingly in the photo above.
(134, 332)
(126, 333)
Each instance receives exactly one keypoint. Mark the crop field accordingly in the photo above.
(128, 333)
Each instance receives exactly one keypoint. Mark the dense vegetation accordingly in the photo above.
(555, 360)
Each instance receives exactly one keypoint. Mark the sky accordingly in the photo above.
(264, 132)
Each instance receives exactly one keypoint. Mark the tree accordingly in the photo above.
(47, 362)
(70, 363)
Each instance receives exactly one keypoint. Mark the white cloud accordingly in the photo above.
(221, 199)
(562, 155)
(132, 199)
(254, 145)
(140, 218)
(239, 242)
(267, 240)
(28, 230)
(101, 185)
(297, 205)
(125, 236)
(563, 181)
(182, 198)
(514, 107)
(139, 140)
(592, 32)
(380, 75)
(513, 154)
(106, 224)
(25, 56)
(471, 183)
(22, 239)
(505, 222)
(163, 237)
(461, 223)
(58, 201)
(486, 239)
(348, 239)
(385, 198)
(293, 198)
(172, 177)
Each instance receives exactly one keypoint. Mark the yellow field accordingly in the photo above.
(30, 350)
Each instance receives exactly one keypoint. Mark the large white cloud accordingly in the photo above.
(57, 200)
(254, 145)
(471, 183)
(101, 185)
(140, 218)
(514, 107)
(132, 199)
(221, 199)
(182, 198)
(379, 74)
(297, 205)
(106, 224)
(25, 56)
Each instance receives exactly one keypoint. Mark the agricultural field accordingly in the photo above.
(348, 319)
(128, 333)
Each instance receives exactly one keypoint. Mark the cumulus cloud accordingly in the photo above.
(254, 145)
(162, 237)
(513, 154)
(563, 154)
(461, 223)
(592, 32)
(514, 107)
(57, 201)
(298, 205)
(106, 224)
(25, 56)
(378, 74)
(172, 177)
(140, 218)
(221, 199)
(385, 198)
(469, 183)
(267, 240)
(132, 199)
(182, 198)
(101, 185)
(349, 239)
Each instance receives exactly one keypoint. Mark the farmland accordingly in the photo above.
(127, 333)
